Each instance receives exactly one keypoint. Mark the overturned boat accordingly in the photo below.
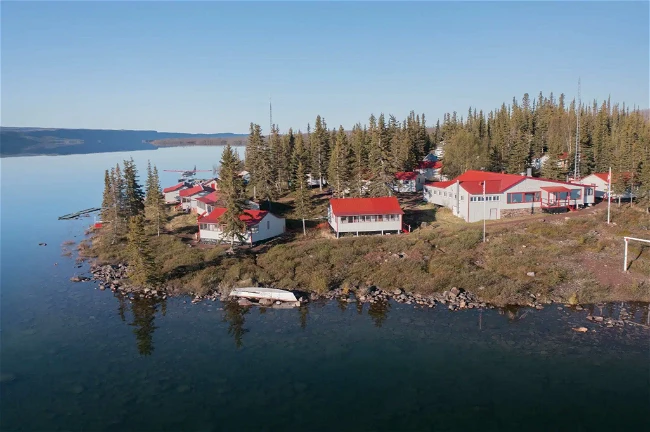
(264, 293)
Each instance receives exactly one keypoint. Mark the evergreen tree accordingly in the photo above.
(143, 270)
(134, 195)
(231, 190)
(359, 147)
(298, 155)
(304, 207)
(154, 201)
(379, 159)
(319, 150)
(340, 166)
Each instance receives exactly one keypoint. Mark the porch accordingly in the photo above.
(556, 198)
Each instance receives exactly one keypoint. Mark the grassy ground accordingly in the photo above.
(576, 259)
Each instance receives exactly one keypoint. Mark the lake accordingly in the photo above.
(74, 358)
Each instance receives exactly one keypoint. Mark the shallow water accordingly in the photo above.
(76, 358)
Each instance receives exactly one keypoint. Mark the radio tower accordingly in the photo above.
(576, 170)
(270, 116)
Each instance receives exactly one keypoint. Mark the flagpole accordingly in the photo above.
(483, 211)
(609, 193)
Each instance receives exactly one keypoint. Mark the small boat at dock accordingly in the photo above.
(264, 293)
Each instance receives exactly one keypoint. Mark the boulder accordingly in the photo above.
(244, 302)
(530, 274)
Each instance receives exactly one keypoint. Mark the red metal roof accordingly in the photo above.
(441, 184)
(365, 206)
(194, 190)
(476, 188)
(555, 189)
(210, 198)
(406, 175)
(430, 165)
(249, 217)
(173, 188)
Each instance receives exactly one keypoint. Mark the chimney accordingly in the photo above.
(529, 172)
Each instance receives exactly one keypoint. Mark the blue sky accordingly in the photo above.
(210, 66)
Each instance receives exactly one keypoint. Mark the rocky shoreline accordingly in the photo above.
(115, 279)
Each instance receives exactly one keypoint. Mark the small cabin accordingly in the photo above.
(171, 193)
(260, 225)
(408, 181)
(188, 196)
(365, 215)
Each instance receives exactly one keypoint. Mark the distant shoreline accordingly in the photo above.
(7, 156)
(59, 142)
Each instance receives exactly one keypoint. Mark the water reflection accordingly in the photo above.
(304, 312)
(234, 316)
(144, 314)
(378, 312)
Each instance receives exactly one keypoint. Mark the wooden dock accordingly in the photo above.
(79, 213)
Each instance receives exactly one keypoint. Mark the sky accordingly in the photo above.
(209, 67)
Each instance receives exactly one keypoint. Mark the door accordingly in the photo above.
(493, 213)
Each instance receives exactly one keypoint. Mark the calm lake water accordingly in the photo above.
(77, 359)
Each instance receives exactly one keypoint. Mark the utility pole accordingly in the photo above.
(484, 211)
(609, 192)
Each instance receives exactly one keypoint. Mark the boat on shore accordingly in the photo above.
(264, 293)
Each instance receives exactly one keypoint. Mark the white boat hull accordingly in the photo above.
(264, 293)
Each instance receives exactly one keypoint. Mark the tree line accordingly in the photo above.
(363, 161)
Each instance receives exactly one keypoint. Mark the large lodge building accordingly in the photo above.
(506, 195)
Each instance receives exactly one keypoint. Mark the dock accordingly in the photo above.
(79, 213)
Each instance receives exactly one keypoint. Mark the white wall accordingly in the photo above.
(270, 226)
(172, 197)
(598, 183)
(352, 227)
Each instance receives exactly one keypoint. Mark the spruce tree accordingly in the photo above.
(143, 270)
(231, 190)
(154, 201)
(379, 160)
(134, 195)
(298, 155)
(340, 166)
(304, 206)
(320, 150)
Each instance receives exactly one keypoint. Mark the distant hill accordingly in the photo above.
(15, 141)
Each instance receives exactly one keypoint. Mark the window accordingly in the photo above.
(462, 198)
(515, 198)
(529, 197)
(590, 191)
(380, 218)
(268, 225)
(575, 194)
(344, 219)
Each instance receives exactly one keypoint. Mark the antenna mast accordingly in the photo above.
(270, 116)
(576, 170)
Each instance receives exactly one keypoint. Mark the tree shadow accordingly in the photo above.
(183, 270)
(416, 217)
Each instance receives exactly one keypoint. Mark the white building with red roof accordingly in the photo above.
(430, 169)
(188, 196)
(600, 182)
(365, 215)
(171, 193)
(505, 195)
(408, 181)
(260, 225)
